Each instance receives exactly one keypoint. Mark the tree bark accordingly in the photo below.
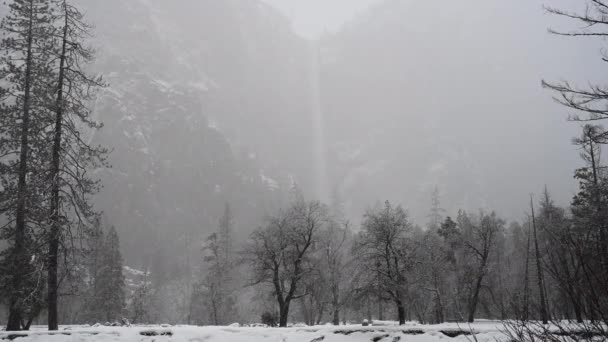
(475, 298)
(283, 314)
(336, 318)
(400, 312)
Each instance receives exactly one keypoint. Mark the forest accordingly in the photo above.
(275, 253)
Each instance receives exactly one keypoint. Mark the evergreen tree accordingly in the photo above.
(71, 155)
(216, 287)
(110, 291)
(435, 215)
(24, 115)
(589, 241)
(140, 305)
(225, 236)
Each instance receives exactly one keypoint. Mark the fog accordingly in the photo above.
(313, 18)
(252, 105)
(413, 95)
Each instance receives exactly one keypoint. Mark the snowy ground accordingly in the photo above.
(483, 331)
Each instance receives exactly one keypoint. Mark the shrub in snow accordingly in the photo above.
(270, 319)
(125, 322)
(234, 325)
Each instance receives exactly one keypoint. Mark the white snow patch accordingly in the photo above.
(271, 183)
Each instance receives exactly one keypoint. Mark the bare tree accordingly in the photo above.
(592, 100)
(335, 245)
(385, 247)
(279, 253)
(479, 240)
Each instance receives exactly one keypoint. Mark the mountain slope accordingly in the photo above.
(200, 93)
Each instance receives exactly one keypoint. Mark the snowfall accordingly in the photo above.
(380, 332)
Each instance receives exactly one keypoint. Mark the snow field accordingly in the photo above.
(483, 332)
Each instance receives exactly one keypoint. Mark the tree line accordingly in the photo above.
(548, 267)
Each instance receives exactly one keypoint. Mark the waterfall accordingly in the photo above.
(321, 177)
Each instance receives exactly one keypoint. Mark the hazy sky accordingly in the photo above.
(311, 17)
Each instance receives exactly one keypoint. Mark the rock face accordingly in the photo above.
(207, 103)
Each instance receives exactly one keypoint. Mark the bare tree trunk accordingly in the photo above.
(539, 268)
(336, 304)
(438, 302)
(214, 310)
(475, 297)
(283, 314)
(369, 308)
(336, 318)
(576, 306)
(379, 295)
(526, 305)
(400, 311)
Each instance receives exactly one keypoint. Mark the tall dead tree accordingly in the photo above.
(526, 304)
(544, 314)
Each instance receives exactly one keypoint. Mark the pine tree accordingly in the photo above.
(95, 248)
(226, 228)
(110, 292)
(590, 242)
(72, 156)
(25, 75)
(218, 264)
(140, 305)
(435, 215)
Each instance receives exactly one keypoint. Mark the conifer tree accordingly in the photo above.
(218, 265)
(95, 248)
(71, 156)
(435, 216)
(110, 294)
(25, 78)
